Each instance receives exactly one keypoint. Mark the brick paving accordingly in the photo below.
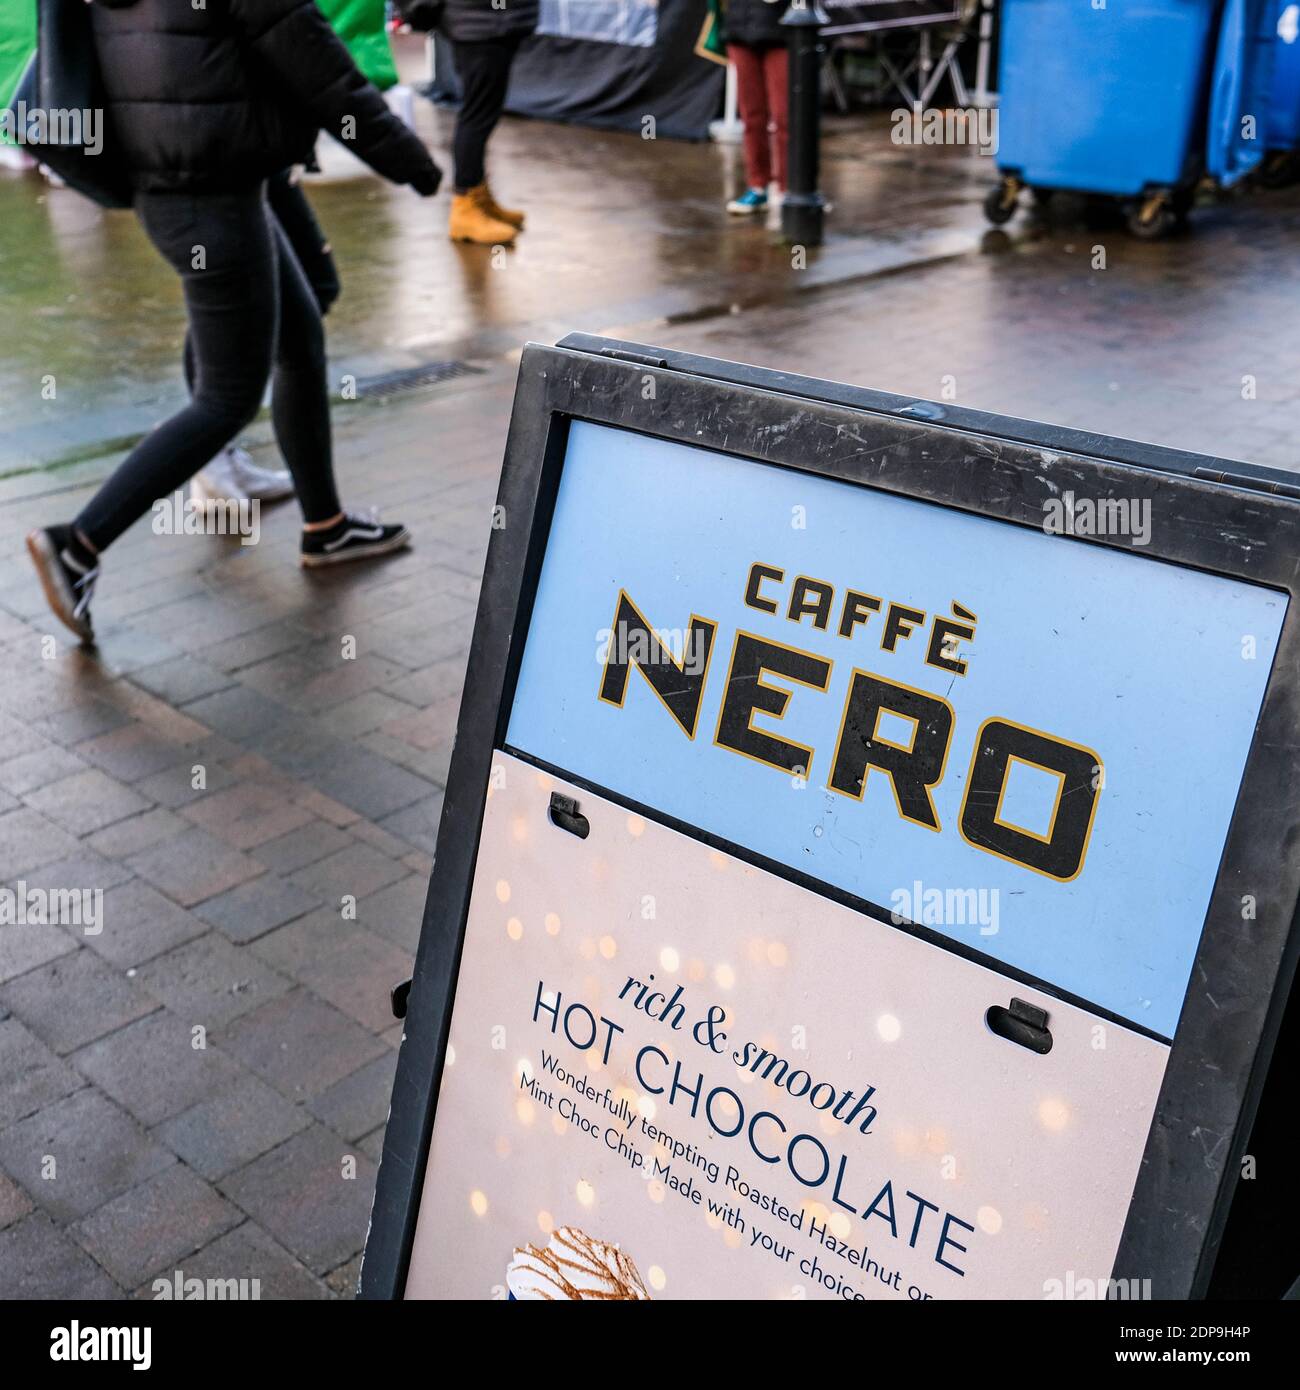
(203, 1085)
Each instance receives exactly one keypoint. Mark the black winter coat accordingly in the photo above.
(472, 21)
(754, 22)
(218, 98)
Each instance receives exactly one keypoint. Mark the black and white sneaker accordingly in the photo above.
(352, 538)
(67, 571)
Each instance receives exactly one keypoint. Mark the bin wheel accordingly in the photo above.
(1280, 170)
(1000, 204)
(1152, 218)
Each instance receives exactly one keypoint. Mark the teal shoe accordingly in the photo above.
(751, 201)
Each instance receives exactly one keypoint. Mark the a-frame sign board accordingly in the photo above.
(870, 859)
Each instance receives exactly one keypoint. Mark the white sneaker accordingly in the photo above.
(232, 476)
(216, 482)
(270, 484)
(11, 157)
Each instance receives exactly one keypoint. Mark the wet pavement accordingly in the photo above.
(629, 236)
(259, 810)
(323, 773)
(622, 230)
(1192, 343)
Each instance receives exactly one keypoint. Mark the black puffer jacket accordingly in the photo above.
(472, 21)
(754, 22)
(215, 99)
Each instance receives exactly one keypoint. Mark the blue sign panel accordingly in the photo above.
(1029, 744)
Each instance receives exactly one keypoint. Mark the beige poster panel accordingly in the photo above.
(674, 1075)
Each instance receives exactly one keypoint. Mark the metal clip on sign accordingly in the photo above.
(564, 813)
(1022, 1023)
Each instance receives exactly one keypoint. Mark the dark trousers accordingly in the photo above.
(252, 316)
(484, 72)
(290, 208)
(763, 94)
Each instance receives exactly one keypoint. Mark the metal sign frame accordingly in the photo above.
(1214, 515)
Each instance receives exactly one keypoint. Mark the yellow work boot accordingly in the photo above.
(511, 215)
(472, 220)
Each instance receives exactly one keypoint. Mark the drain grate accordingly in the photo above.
(375, 388)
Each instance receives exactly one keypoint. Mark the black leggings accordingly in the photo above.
(252, 315)
(484, 72)
(290, 208)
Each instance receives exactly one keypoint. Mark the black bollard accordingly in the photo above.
(804, 206)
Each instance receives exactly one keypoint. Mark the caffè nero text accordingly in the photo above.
(913, 764)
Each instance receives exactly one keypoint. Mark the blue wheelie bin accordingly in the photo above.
(1236, 136)
(1109, 100)
(1282, 116)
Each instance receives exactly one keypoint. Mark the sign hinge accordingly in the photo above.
(639, 359)
(1220, 475)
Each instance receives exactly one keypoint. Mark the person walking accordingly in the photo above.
(756, 45)
(485, 36)
(204, 104)
(232, 475)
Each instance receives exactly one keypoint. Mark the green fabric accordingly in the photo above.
(17, 43)
(711, 44)
(361, 25)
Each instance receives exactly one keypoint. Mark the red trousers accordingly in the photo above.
(762, 86)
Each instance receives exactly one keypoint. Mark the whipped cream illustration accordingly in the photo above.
(574, 1266)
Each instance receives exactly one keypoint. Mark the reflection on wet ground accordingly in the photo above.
(629, 236)
(621, 231)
